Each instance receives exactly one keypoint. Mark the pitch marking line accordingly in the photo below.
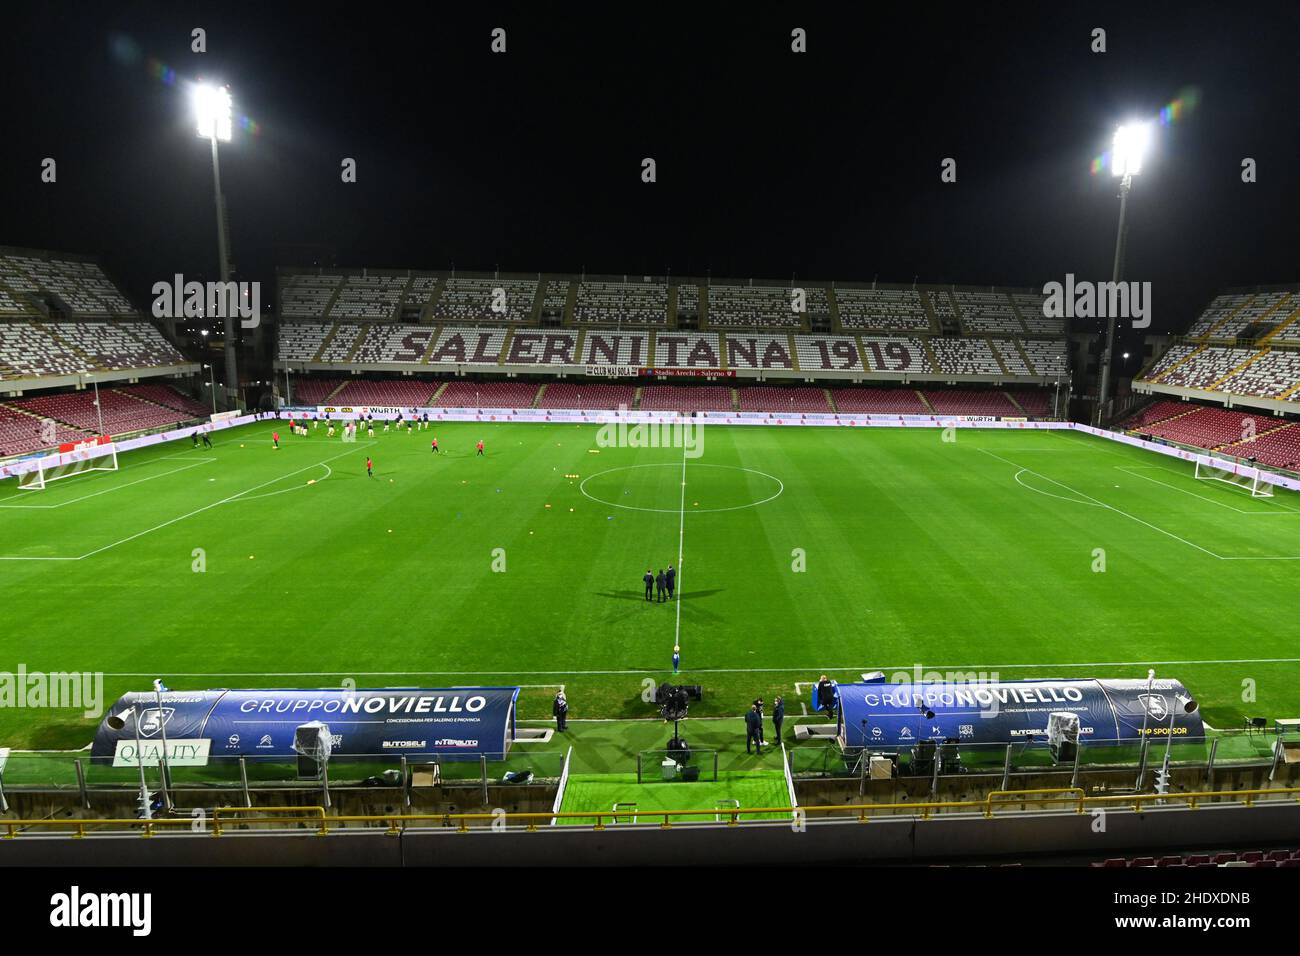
(1102, 504)
(197, 511)
(681, 544)
(630, 672)
(1133, 470)
(96, 494)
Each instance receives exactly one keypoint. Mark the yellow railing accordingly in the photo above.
(863, 812)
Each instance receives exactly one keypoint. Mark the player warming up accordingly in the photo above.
(370, 467)
(433, 446)
(479, 446)
(275, 439)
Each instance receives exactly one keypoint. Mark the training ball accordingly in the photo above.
(547, 506)
(390, 530)
(241, 444)
(250, 557)
(570, 509)
(311, 481)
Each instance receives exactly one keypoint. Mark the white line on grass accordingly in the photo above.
(628, 672)
(96, 494)
(681, 544)
(1103, 504)
(1133, 470)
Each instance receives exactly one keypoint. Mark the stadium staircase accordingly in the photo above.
(925, 401)
(997, 356)
(438, 394)
(433, 344)
(505, 345)
(833, 305)
(1217, 325)
(356, 345)
(1281, 427)
(1290, 391)
(830, 400)
(335, 390)
(1182, 361)
(334, 297)
(1024, 356)
(570, 304)
(704, 307)
(1255, 357)
(929, 352)
(735, 400)
(1285, 323)
(539, 302)
(537, 399)
(1012, 399)
(329, 337)
(1016, 312)
(672, 307)
(636, 399)
(426, 316)
(1172, 418)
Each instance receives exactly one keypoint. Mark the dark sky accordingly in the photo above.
(821, 165)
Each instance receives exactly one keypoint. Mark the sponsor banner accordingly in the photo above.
(180, 753)
(224, 416)
(612, 371)
(68, 446)
(455, 723)
(689, 372)
(1236, 467)
(1001, 712)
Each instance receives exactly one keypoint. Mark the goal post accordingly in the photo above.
(1245, 477)
(80, 459)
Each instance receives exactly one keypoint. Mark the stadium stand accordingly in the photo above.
(463, 394)
(167, 397)
(965, 356)
(880, 401)
(467, 346)
(631, 348)
(895, 354)
(529, 347)
(683, 398)
(961, 401)
(78, 287)
(758, 350)
(793, 399)
(687, 350)
(26, 350)
(1158, 411)
(121, 412)
(1013, 360)
(573, 395)
(404, 393)
(300, 341)
(22, 431)
(617, 303)
(737, 306)
(1213, 858)
(473, 300)
(1037, 404)
(314, 391)
(397, 344)
(1031, 306)
(1278, 448)
(827, 352)
(1205, 367)
(309, 296)
(1046, 356)
(369, 297)
(1270, 375)
(985, 312)
(883, 310)
(117, 345)
(1211, 427)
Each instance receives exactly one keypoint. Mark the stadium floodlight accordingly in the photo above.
(1129, 148)
(1126, 155)
(213, 113)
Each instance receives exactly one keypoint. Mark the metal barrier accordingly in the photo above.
(316, 816)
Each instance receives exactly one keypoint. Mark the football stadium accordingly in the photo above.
(354, 563)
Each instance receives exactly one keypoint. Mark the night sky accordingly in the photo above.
(770, 164)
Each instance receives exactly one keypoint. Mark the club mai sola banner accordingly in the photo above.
(1000, 712)
(453, 723)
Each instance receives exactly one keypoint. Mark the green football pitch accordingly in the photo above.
(800, 551)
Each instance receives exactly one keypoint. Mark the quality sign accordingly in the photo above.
(180, 753)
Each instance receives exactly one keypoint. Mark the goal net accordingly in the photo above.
(1242, 476)
(80, 459)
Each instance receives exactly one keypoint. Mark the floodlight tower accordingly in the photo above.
(1129, 147)
(213, 112)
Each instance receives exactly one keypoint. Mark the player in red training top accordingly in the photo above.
(479, 446)
(434, 446)
(370, 467)
(275, 439)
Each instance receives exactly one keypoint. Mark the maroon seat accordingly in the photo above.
(1222, 858)
(1143, 861)
(1251, 856)
(1170, 861)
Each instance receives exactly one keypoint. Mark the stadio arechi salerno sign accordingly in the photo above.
(461, 723)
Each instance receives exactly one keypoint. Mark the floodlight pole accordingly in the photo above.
(164, 768)
(1117, 271)
(223, 251)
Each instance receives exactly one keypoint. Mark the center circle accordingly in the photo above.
(710, 490)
